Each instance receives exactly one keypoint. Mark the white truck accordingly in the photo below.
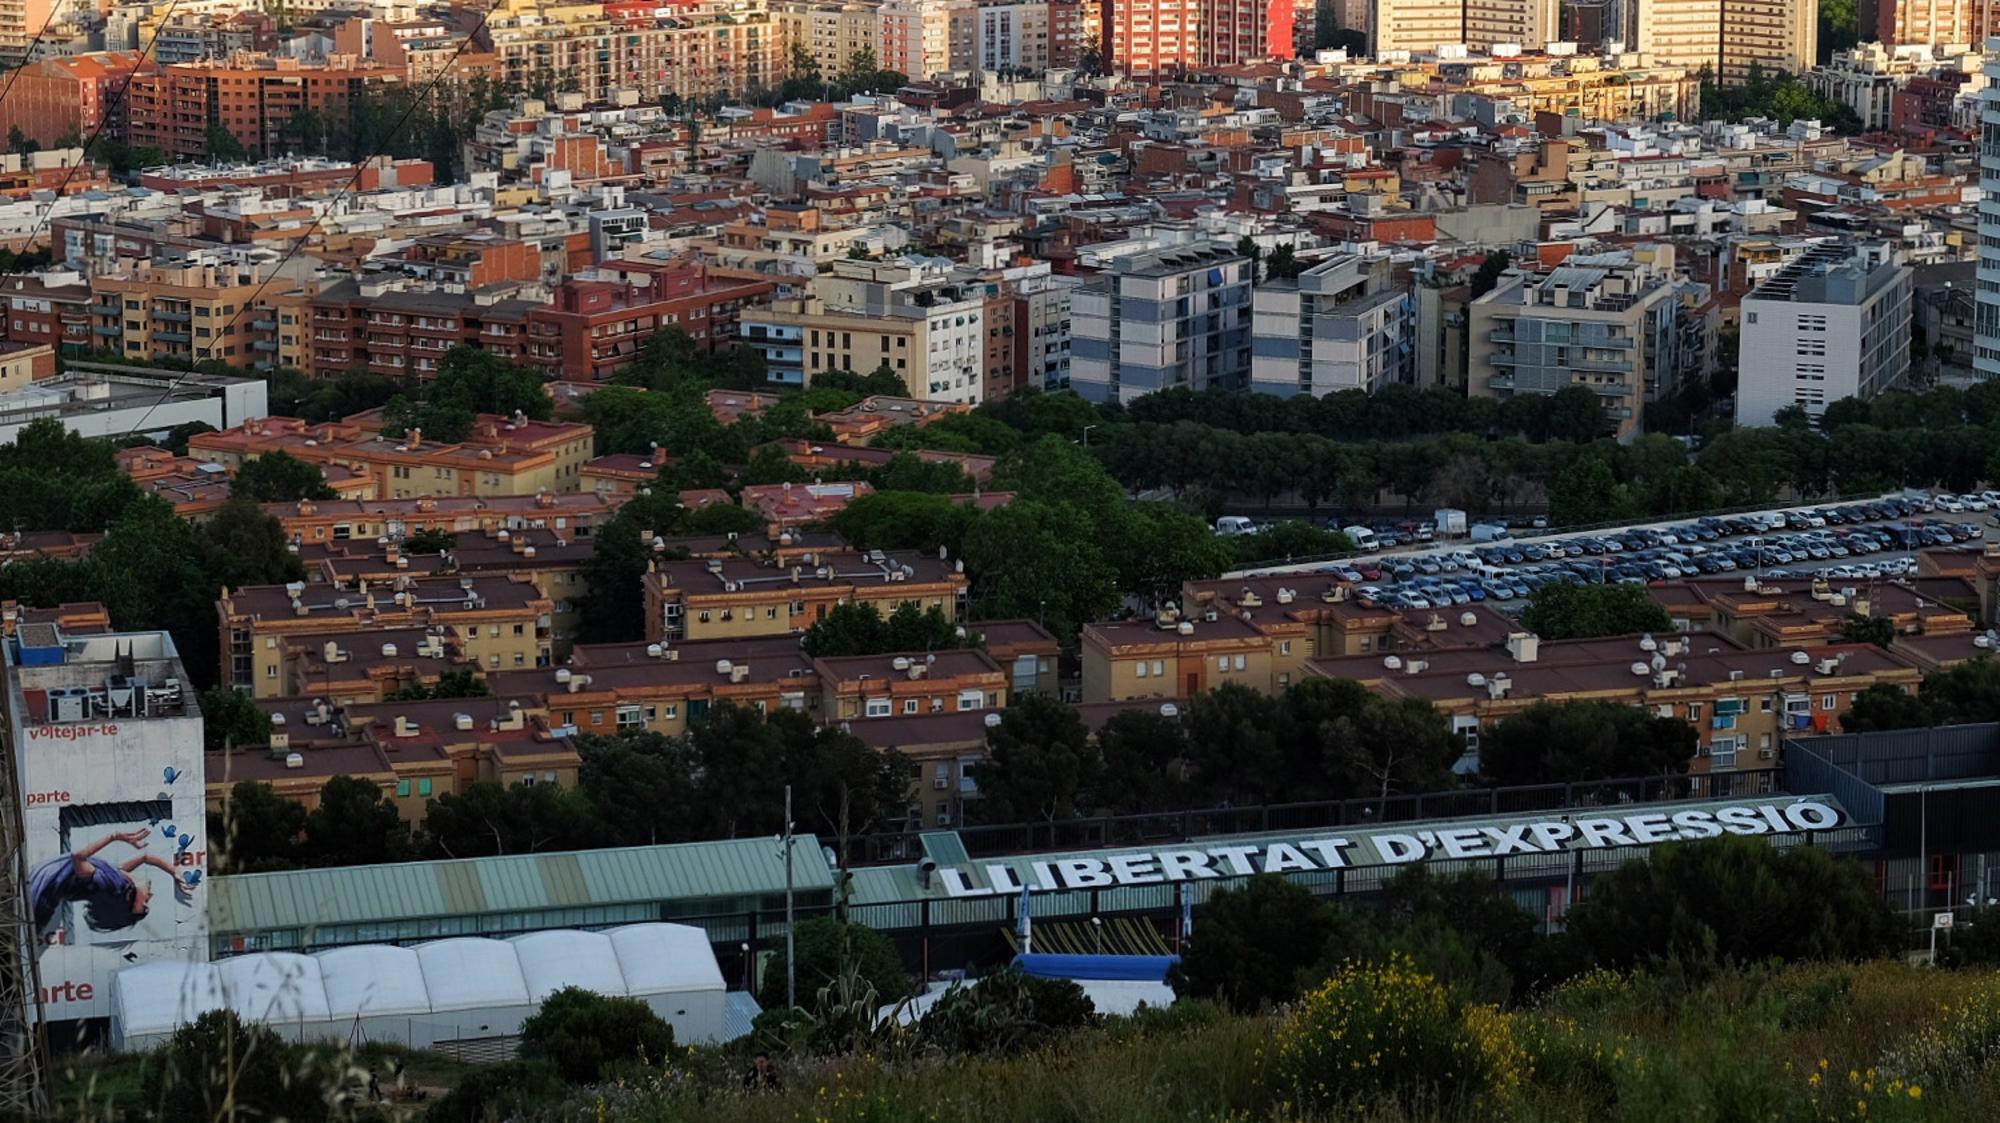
(1489, 532)
(1450, 522)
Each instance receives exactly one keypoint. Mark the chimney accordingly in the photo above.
(416, 439)
(1524, 647)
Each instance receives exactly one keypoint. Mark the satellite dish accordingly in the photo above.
(1475, 679)
(1659, 661)
(1648, 643)
(1639, 668)
(1392, 662)
(992, 721)
(1168, 709)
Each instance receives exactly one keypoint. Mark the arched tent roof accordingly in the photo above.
(159, 997)
(373, 980)
(472, 974)
(665, 958)
(551, 961)
(274, 987)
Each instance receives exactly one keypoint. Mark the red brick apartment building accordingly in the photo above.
(53, 96)
(253, 96)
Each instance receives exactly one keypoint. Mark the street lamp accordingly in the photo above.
(1086, 435)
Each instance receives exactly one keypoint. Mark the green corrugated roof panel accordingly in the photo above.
(512, 883)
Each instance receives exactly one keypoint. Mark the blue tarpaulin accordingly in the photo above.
(1133, 968)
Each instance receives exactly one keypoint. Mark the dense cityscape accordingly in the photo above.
(895, 560)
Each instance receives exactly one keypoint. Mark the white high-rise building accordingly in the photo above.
(1833, 324)
(1986, 313)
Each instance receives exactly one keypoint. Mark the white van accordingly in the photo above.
(1230, 526)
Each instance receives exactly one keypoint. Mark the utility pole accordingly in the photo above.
(791, 943)
(23, 1049)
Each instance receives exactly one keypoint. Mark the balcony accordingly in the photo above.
(263, 325)
(1502, 359)
(174, 317)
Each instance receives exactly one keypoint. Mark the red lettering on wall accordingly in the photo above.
(36, 798)
(69, 990)
(74, 732)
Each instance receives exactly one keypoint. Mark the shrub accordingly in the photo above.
(218, 1066)
(1006, 1012)
(826, 946)
(1961, 1043)
(502, 1091)
(1376, 1033)
(582, 1033)
(1251, 944)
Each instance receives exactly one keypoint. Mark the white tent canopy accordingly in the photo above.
(453, 990)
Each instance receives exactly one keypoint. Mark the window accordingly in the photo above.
(518, 627)
(910, 705)
(1284, 647)
(403, 789)
(1764, 705)
(1159, 668)
(597, 717)
(1142, 668)
(1826, 701)
(271, 671)
(877, 707)
(1242, 662)
(673, 711)
(424, 786)
(1694, 711)
(1222, 664)
(970, 699)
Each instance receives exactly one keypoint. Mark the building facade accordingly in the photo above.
(1341, 325)
(1607, 322)
(1833, 324)
(1160, 320)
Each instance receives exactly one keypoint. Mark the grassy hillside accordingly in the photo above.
(1878, 1041)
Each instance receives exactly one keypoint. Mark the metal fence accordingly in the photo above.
(1910, 756)
(1110, 831)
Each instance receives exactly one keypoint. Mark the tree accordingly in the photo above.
(1284, 264)
(218, 1067)
(1155, 548)
(857, 628)
(1040, 561)
(1487, 277)
(585, 1035)
(1683, 490)
(223, 147)
(354, 826)
(430, 540)
(1568, 611)
(1142, 751)
(899, 520)
(1557, 742)
(1039, 763)
(241, 545)
(487, 819)
(1965, 693)
(256, 830)
(1878, 630)
(19, 142)
(279, 477)
(826, 948)
(612, 608)
(230, 720)
(643, 786)
(1585, 493)
(1251, 944)
(462, 683)
(1883, 706)
(1733, 900)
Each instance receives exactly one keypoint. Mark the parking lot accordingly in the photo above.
(1859, 541)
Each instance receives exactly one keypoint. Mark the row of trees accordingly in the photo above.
(1963, 694)
(725, 778)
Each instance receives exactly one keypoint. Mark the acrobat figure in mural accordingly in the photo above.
(112, 897)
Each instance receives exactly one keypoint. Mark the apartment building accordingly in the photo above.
(906, 683)
(1169, 656)
(1143, 37)
(553, 564)
(737, 597)
(1742, 703)
(1041, 329)
(1013, 36)
(598, 327)
(830, 32)
(1866, 78)
(926, 38)
(367, 664)
(569, 516)
(1344, 324)
(1833, 324)
(254, 97)
(1170, 318)
(1729, 37)
(79, 93)
(501, 456)
(866, 316)
(1986, 313)
(416, 751)
(1529, 24)
(692, 51)
(193, 310)
(498, 622)
(1607, 322)
(1928, 22)
(24, 364)
(661, 688)
(1417, 26)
